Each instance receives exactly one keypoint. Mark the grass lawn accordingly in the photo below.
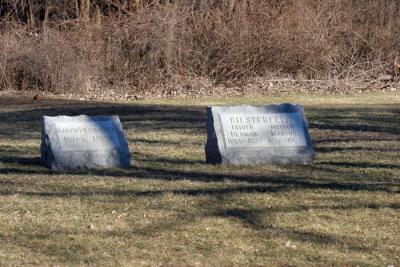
(172, 209)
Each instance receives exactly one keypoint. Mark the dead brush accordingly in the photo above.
(47, 61)
(134, 45)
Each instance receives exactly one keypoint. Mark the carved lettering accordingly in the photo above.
(263, 130)
(87, 135)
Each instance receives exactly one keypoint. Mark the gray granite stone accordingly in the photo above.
(77, 142)
(249, 135)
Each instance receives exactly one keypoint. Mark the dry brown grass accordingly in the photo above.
(172, 209)
(136, 44)
(48, 61)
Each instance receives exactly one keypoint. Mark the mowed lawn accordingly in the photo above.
(172, 209)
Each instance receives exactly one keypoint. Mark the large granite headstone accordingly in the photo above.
(83, 142)
(247, 135)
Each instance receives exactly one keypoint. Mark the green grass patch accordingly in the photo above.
(173, 209)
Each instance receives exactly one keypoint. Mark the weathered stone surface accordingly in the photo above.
(83, 142)
(247, 135)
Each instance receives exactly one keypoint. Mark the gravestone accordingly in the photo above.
(249, 135)
(77, 142)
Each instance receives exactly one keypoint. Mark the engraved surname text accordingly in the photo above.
(263, 130)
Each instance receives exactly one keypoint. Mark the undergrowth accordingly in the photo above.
(80, 44)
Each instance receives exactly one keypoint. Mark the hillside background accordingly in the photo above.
(134, 45)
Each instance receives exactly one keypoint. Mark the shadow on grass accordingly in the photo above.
(379, 119)
(264, 220)
(346, 139)
(153, 142)
(259, 183)
(338, 126)
(150, 118)
(357, 149)
(35, 161)
(329, 127)
(70, 252)
(142, 157)
(361, 165)
(377, 123)
(25, 123)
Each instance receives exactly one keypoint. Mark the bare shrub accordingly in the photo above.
(234, 40)
(49, 61)
(67, 45)
(162, 42)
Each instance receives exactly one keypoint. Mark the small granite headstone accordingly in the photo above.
(248, 135)
(83, 142)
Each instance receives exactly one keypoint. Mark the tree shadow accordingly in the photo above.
(154, 142)
(20, 120)
(143, 157)
(356, 149)
(362, 165)
(262, 183)
(327, 125)
(34, 161)
(264, 220)
(346, 139)
(25, 123)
